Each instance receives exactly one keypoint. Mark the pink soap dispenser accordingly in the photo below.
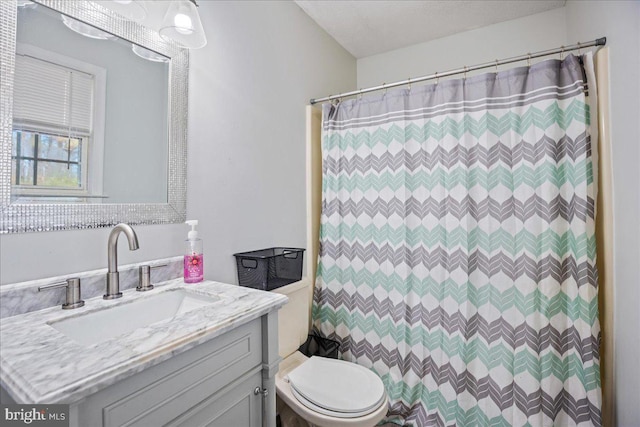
(193, 258)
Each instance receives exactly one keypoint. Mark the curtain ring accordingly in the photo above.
(360, 94)
(465, 72)
(528, 59)
(437, 78)
(384, 89)
(409, 87)
(496, 66)
(579, 49)
(561, 53)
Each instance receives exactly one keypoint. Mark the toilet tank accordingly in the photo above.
(293, 317)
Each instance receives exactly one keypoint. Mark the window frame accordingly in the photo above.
(92, 167)
(52, 191)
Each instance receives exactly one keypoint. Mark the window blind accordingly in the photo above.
(51, 97)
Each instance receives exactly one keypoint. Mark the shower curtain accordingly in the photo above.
(457, 248)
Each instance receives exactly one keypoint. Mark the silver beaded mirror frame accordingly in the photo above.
(20, 218)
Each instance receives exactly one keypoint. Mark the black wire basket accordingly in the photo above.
(269, 268)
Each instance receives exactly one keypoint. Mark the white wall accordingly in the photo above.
(250, 85)
(247, 95)
(511, 38)
(579, 20)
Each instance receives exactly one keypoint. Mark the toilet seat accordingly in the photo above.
(337, 388)
(313, 416)
(327, 412)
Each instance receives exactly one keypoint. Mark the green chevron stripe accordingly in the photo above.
(475, 290)
(535, 244)
(449, 409)
(498, 354)
(545, 173)
(553, 115)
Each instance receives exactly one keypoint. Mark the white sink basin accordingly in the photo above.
(109, 323)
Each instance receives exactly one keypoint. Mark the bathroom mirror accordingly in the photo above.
(93, 111)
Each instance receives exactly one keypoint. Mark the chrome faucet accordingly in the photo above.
(113, 277)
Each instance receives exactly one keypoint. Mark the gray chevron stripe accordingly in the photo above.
(488, 105)
(547, 209)
(546, 148)
(419, 416)
(421, 365)
(584, 273)
(538, 340)
(579, 411)
(557, 78)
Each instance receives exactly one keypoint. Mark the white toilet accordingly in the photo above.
(324, 392)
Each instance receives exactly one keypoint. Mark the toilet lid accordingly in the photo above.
(337, 386)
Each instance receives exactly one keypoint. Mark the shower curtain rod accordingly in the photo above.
(597, 42)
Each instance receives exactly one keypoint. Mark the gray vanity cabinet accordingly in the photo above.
(217, 383)
(235, 406)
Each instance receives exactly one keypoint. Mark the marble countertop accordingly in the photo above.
(38, 364)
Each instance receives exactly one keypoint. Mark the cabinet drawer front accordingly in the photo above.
(190, 382)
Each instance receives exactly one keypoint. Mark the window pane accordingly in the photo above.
(27, 141)
(26, 172)
(53, 147)
(52, 174)
(75, 145)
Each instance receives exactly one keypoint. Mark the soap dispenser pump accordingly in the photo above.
(193, 258)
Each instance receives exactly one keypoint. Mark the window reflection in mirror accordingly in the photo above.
(90, 115)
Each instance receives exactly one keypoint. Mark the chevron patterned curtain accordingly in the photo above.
(457, 251)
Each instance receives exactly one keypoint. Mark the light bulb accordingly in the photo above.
(123, 1)
(183, 23)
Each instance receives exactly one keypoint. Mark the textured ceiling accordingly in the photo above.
(367, 28)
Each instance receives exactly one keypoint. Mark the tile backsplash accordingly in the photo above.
(23, 297)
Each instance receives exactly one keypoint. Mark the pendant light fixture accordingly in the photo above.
(85, 29)
(131, 9)
(147, 54)
(182, 25)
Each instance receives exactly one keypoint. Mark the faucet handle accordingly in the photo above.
(144, 277)
(74, 299)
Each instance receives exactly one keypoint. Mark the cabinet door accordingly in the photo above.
(157, 395)
(233, 406)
